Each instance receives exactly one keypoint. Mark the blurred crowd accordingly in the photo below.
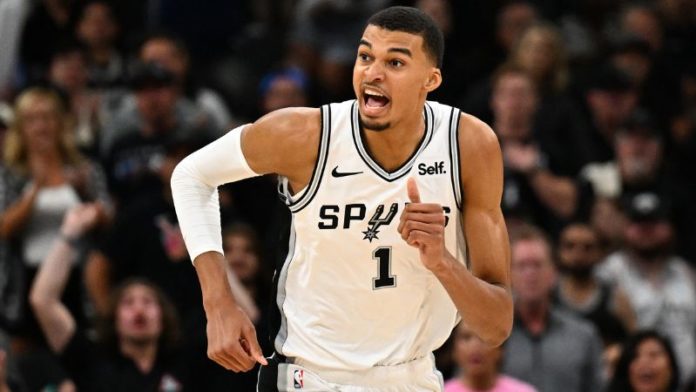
(593, 102)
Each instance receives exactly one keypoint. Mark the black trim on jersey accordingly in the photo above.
(405, 168)
(454, 155)
(322, 154)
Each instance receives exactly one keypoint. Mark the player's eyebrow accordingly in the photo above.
(405, 51)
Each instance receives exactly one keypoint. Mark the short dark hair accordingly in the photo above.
(414, 21)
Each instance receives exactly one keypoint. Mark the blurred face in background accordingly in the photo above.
(649, 239)
(532, 272)
(513, 20)
(97, 28)
(156, 105)
(578, 251)
(138, 315)
(165, 53)
(474, 356)
(514, 102)
(40, 121)
(241, 256)
(440, 11)
(645, 24)
(639, 157)
(611, 108)
(650, 370)
(69, 71)
(538, 52)
(283, 93)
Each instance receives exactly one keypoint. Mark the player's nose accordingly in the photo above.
(374, 72)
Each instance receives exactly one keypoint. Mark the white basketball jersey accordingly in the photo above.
(352, 294)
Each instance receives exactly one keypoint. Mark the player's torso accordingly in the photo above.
(352, 293)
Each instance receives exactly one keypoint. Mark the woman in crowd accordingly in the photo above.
(42, 176)
(480, 367)
(647, 364)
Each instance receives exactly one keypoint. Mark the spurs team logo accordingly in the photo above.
(298, 378)
(377, 220)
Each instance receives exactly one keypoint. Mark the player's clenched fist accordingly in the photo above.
(232, 339)
(422, 225)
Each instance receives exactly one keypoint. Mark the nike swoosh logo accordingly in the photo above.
(337, 174)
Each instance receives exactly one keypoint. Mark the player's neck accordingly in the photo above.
(392, 147)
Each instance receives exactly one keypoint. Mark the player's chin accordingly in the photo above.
(372, 124)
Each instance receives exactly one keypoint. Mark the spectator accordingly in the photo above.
(133, 142)
(138, 351)
(145, 241)
(540, 50)
(43, 176)
(659, 284)
(98, 30)
(282, 89)
(639, 166)
(245, 265)
(480, 367)
(610, 98)
(647, 363)
(172, 55)
(68, 72)
(512, 20)
(580, 292)
(533, 190)
(547, 348)
(47, 24)
(323, 37)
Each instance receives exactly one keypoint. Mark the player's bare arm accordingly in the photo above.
(481, 293)
(283, 142)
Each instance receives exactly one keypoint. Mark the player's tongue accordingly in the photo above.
(375, 101)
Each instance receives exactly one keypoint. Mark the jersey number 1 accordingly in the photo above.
(384, 277)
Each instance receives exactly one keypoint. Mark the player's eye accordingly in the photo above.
(364, 57)
(396, 63)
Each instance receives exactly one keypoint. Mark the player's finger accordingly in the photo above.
(423, 207)
(256, 352)
(253, 348)
(412, 189)
(411, 225)
(424, 217)
(416, 238)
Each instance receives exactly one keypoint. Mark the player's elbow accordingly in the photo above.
(497, 332)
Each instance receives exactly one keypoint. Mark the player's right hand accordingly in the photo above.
(232, 339)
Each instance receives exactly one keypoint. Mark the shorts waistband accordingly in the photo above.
(376, 376)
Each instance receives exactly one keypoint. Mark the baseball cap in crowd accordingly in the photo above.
(149, 75)
(646, 207)
(640, 122)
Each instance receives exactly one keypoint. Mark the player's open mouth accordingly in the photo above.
(375, 101)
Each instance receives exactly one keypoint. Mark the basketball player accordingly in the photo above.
(396, 227)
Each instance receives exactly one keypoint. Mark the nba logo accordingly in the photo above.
(298, 378)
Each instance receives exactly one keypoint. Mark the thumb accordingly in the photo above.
(412, 189)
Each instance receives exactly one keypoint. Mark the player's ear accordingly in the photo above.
(434, 80)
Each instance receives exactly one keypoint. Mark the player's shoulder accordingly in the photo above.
(476, 138)
(291, 122)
